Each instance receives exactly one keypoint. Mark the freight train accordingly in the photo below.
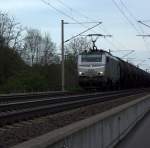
(100, 69)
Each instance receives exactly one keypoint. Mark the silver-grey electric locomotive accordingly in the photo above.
(98, 68)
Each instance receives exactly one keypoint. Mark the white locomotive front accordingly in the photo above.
(98, 68)
(91, 67)
(91, 64)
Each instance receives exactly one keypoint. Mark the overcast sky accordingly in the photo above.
(36, 14)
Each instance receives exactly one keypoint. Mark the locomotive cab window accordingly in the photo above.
(91, 58)
(107, 59)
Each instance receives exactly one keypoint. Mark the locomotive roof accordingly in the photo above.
(98, 51)
(101, 51)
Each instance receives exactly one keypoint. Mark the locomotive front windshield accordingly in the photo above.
(91, 58)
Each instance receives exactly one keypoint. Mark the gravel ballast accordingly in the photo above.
(13, 134)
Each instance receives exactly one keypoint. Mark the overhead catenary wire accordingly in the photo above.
(83, 32)
(82, 22)
(87, 17)
(68, 7)
(145, 20)
(118, 42)
(141, 22)
(71, 9)
(128, 53)
(71, 17)
(131, 14)
(129, 21)
(125, 16)
(62, 12)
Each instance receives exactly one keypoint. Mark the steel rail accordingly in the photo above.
(31, 96)
(51, 100)
(11, 116)
(23, 97)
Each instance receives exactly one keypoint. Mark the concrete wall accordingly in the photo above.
(100, 131)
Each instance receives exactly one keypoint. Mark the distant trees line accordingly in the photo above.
(29, 60)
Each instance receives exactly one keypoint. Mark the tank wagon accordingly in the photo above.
(100, 69)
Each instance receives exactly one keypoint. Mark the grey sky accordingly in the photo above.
(35, 14)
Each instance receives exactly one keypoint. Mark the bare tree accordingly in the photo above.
(10, 31)
(77, 45)
(49, 49)
(32, 45)
(39, 49)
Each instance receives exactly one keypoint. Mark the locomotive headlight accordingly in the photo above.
(80, 73)
(100, 73)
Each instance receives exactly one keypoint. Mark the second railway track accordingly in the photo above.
(25, 110)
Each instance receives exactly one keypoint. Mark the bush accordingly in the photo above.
(25, 82)
(11, 63)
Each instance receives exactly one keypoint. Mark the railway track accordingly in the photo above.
(12, 112)
(32, 96)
